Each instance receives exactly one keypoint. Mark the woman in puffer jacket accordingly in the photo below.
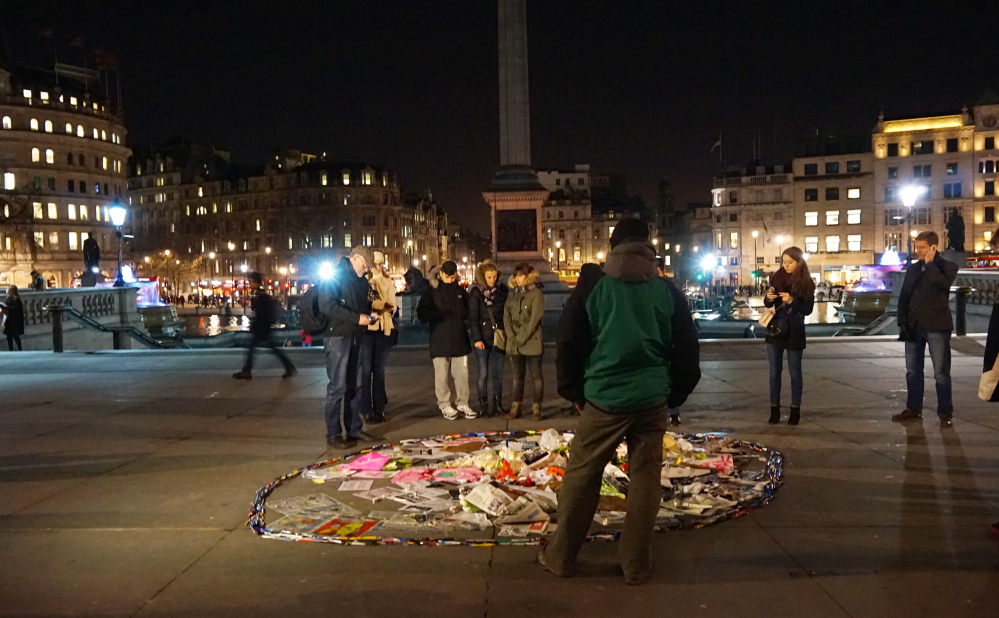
(486, 304)
(525, 308)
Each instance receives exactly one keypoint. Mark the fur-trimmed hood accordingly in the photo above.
(632, 262)
(480, 275)
(533, 278)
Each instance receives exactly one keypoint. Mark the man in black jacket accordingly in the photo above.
(627, 352)
(344, 298)
(265, 315)
(924, 318)
(444, 305)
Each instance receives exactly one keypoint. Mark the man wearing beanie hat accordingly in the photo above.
(344, 298)
(444, 306)
(627, 351)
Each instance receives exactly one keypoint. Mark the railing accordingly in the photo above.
(884, 321)
(117, 331)
(91, 302)
(984, 282)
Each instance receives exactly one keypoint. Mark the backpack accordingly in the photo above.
(314, 321)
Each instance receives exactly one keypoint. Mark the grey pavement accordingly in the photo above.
(125, 480)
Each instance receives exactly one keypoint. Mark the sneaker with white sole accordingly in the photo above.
(468, 412)
(450, 413)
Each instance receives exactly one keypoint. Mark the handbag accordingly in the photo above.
(768, 314)
(499, 335)
(779, 326)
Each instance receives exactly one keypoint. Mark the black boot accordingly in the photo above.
(498, 405)
(774, 415)
(484, 406)
(795, 415)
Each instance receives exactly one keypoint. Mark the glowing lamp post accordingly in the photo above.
(909, 194)
(118, 213)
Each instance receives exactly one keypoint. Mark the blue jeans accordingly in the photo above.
(375, 348)
(490, 365)
(915, 354)
(342, 406)
(775, 353)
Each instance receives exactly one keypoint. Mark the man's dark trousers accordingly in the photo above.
(266, 341)
(592, 448)
(343, 405)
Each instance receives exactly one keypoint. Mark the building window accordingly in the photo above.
(852, 166)
(990, 214)
(734, 261)
(9, 181)
(892, 172)
(832, 217)
(53, 211)
(7, 124)
(257, 223)
(346, 178)
(811, 169)
(853, 242)
(53, 241)
(853, 193)
(733, 240)
(990, 187)
(37, 208)
(48, 126)
(733, 197)
(920, 171)
(366, 177)
(33, 124)
(322, 178)
(952, 144)
(79, 130)
(74, 243)
(811, 195)
(832, 244)
(733, 217)
(104, 135)
(986, 167)
(811, 218)
(853, 217)
(952, 190)
(761, 260)
(832, 167)
(952, 169)
(36, 155)
(894, 216)
(83, 212)
(575, 254)
(832, 194)
(97, 135)
(990, 143)
(890, 194)
(104, 162)
(346, 240)
(71, 211)
(893, 149)
(922, 148)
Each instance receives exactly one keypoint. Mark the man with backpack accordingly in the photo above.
(345, 302)
(265, 314)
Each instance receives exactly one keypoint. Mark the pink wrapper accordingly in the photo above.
(369, 461)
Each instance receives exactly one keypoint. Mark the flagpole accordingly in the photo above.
(55, 56)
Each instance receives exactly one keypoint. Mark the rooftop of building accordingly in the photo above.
(831, 146)
(63, 80)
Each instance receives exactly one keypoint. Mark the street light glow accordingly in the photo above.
(780, 239)
(600, 255)
(708, 262)
(283, 270)
(755, 233)
(117, 213)
(804, 256)
(211, 254)
(416, 262)
(326, 270)
(909, 194)
(242, 268)
(267, 250)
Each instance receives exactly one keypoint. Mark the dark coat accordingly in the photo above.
(13, 309)
(924, 300)
(344, 298)
(444, 306)
(794, 312)
(574, 342)
(266, 312)
(480, 326)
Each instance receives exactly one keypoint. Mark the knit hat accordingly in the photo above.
(449, 268)
(629, 229)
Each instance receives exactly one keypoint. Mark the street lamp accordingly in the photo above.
(118, 212)
(909, 194)
(558, 254)
(756, 246)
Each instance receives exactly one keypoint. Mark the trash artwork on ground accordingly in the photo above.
(501, 488)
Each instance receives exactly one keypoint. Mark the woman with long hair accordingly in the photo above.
(792, 295)
(12, 310)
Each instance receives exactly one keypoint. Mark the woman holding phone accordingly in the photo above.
(792, 295)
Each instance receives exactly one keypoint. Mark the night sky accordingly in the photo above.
(635, 88)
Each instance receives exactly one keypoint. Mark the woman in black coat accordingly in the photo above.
(792, 295)
(13, 311)
(486, 302)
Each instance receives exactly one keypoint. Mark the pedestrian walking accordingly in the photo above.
(266, 313)
(924, 318)
(377, 342)
(525, 308)
(625, 355)
(344, 299)
(444, 306)
(12, 313)
(38, 283)
(792, 295)
(486, 305)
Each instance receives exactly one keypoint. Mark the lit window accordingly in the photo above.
(188, 208)
(72, 101)
(853, 217)
(53, 211)
(987, 235)
(74, 241)
(228, 206)
(853, 194)
(69, 128)
(96, 134)
(346, 178)
(853, 242)
(366, 178)
(7, 123)
(346, 240)
(34, 124)
(322, 178)
(733, 240)
(384, 179)
(832, 243)
(71, 211)
(45, 96)
(48, 126)
(291, 243)
(9, 182)
(258, 224)
(104, 162)
(812, 244)
(97, 212)
(26, 93)
(832, 217)
(811, 218)
(83, 212)
(201, 192)
(106, 218)
(610, 231)
(104, 135)
(79, 130)
(83, 237)
(36, 155)
(49, 156)
(215, 208)
(54, 241)
(37, 208)
(39, 239)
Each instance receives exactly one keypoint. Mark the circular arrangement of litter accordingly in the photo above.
(501, 488)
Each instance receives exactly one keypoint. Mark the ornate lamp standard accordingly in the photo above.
(118, 213)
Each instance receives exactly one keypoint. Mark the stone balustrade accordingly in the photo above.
(109, 306)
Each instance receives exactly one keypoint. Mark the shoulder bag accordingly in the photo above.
(499, 335)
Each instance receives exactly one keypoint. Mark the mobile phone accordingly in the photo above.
(373, 317)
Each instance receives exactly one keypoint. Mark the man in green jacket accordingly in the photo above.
(627, 351)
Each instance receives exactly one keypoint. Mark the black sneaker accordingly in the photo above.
(363, 436)
(907, 415)
(946, 420)
(290, 373)
(243, 375)
(340, 443)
